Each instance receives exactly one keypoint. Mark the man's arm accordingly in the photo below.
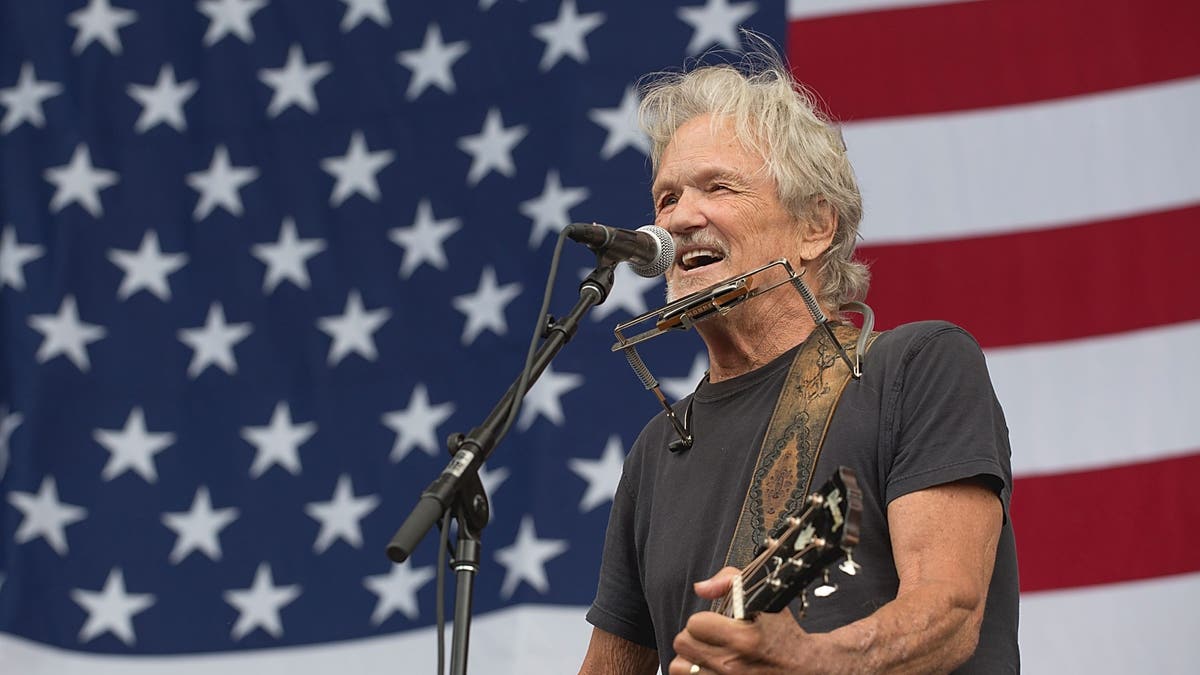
(608, 654)
(944, 543)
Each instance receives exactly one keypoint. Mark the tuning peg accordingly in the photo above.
(826, 588)
(848, 566)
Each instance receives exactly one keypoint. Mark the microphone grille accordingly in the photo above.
(666, 253)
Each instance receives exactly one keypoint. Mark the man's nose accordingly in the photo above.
(687, 215)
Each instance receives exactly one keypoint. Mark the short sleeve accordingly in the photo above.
(620, 605)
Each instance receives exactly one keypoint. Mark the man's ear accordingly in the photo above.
(819, 228)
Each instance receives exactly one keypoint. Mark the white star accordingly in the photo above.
(198, 528)
(79, 182)
(132, 447)
(491, 149)
(293, 83)
(45, 516)
(564, 36)
(14, 256)
(24, 100)
(64, 333)
(259, 605)
(602, 475)
(286, 259)
(111, 609)
(628, 293)
(492, 480)
(355, 171)
(485, 307)
(416, 425)
(354, 330)
(278, 443)
(397, 590)
(219, 185)
(544, 398)
(525, 560)
(716, 22)
(431, 64)
(99, 21)
(227, 17)
(162, 103)
(147, 269)
(680, 387)
(425, 240)
(340, 516)
(358, 10)
(622, 126)
(213, 344)
(550, 211)
(9, 421)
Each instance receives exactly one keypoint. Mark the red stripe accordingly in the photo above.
(982, 54)
(1096, 527)
(1046, 285)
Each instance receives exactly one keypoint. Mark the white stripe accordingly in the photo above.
(1102, 401)
(810, 9)
(527, 639)
(1141, 627)
(1024, 167)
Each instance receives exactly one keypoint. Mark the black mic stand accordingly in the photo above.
(458, 486)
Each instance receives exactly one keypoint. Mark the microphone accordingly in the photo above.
(649, 250)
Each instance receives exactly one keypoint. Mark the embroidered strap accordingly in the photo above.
(793, 440)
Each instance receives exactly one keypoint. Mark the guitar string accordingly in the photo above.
(755, 565)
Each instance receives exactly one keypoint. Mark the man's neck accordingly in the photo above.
(754, 334)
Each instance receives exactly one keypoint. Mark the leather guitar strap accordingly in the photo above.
(789, 452)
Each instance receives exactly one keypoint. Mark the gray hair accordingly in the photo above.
(775, 117)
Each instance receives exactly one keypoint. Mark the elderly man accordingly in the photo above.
(746, 171)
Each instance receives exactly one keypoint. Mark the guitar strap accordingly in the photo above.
(789, 452)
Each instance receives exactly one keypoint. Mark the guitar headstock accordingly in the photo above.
(824, 533)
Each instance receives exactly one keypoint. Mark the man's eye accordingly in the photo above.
(667, 200)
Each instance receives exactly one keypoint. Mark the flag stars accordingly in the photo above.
(163, 102)
(431, 64)
(355, 171)
(545, 398)
(354, 330)
(229, 17)
(79, 182)
(621, 123)
(198, 528)
(279, 442)
(491, 149)
(99, 21)
(416, 426)
(397, 591)
(484, 308)
(550, 211)
(147, 269)
(293, 83)
(259, 606)
(287, 258)
(43, 515)
(213, 344)
(602, 475)
(23, 101)
(565, 35)
(64, 333)
(13, 258)
(716, 23)
(358, 11)
(525, 560)
(424, 241)
(133, 447)
(111, 610)
(9, 421)
(340, 516)
(679, 387)
(219, 185)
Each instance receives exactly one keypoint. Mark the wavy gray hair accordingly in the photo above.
(775, 117)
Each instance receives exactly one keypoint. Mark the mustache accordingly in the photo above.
(704, 239)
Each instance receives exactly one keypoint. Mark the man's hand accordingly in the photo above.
(771, 643)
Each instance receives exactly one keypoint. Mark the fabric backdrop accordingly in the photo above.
(259, 257)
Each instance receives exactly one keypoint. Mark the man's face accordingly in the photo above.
(720, 204)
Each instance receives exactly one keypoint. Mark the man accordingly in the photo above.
(746, 171)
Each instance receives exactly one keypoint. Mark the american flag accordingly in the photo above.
(259, 257)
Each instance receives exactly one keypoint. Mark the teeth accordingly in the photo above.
(692, 255)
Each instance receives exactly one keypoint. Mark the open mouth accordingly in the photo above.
(700, 257)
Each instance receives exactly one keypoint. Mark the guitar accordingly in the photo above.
(808, 543)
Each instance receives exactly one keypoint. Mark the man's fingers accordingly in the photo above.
(717, 585)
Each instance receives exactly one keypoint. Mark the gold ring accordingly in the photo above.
(694, 669)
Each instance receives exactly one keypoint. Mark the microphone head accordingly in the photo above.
(666, 253)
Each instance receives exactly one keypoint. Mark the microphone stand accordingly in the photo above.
(458, 486)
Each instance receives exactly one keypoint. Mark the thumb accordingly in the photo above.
(717, 585)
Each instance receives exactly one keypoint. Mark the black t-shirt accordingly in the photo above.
(923, 414)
